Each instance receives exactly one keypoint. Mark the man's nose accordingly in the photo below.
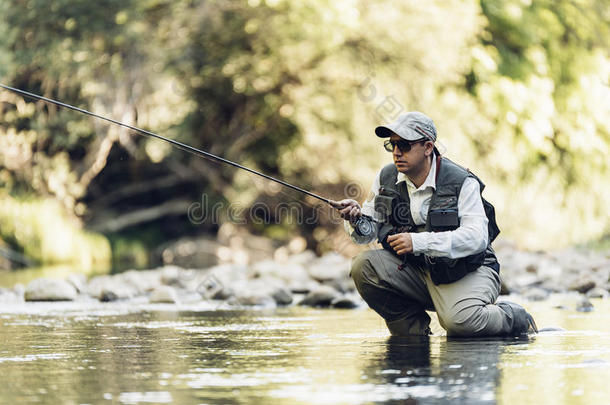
(396, 151)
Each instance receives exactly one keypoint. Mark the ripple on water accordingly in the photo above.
(33, 357)
(153, 324)
(95, 308)
(357, 393)
(163, 397)
(216, 379)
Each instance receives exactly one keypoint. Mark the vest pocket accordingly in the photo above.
(444, 219)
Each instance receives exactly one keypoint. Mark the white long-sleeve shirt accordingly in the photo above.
(469, 238)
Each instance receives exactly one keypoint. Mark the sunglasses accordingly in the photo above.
(402, 144)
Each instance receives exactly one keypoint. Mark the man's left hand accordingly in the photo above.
(401, 243)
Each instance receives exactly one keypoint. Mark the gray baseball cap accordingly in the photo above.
(411, 126)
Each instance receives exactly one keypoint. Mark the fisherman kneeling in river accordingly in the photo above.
(436, 231)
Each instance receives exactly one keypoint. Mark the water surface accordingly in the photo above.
(78, 353)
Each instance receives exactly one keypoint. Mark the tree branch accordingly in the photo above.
(116, 224)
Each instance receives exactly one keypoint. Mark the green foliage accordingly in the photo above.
(48, 235)
(540, 79)
(518, 88)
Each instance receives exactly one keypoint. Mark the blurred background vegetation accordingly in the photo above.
(518, 89)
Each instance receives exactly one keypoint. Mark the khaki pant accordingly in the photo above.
(465, 307)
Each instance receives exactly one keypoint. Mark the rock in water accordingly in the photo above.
(255, 298)
(344, 301)
(303, 258)
(584, 305)
(108, 296)
(45, 289)
(79, 281)
(320, 297)
(536, 294)
(282, 296)
(163, 294)
(7, 295)
(582, 286)
(597, 292)
(329, 267)
(109, 288)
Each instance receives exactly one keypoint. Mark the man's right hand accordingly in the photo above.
(348, 209)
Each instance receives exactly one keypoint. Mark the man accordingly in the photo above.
(429, 216)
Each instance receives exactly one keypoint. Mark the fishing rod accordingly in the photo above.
(173, 142)
(190, 149)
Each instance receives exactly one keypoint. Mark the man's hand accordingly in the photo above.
(348, 209)
(401, 243)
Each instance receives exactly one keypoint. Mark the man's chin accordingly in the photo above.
(401, 167)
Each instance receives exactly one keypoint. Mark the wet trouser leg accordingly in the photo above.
(400, 297)
(465, 307)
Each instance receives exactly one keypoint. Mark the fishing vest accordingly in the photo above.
(392, 205)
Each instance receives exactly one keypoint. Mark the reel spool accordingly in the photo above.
(364, 226)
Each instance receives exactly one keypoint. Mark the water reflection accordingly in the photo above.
(438, 369)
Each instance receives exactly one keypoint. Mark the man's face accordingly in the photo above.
(411, 162)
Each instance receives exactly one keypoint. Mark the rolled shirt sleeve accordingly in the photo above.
(469, 238)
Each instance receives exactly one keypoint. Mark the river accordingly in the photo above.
(77, 353)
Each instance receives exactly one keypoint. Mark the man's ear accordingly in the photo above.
(429, 148)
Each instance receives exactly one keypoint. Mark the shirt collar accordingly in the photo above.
(430, 179)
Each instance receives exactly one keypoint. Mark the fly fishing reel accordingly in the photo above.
(364, 226)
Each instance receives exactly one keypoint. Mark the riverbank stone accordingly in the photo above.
(79, 281)
(255, 298)
(110, 288)
(598, 292)
(256, 291)
(582, 286)
(322, 296)
(44, 289)
(536, 294)
(7, 295)
(303, 258)
(164, 294)
(345, 301)
(108, 296)
(282, 296)
(331, 266)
